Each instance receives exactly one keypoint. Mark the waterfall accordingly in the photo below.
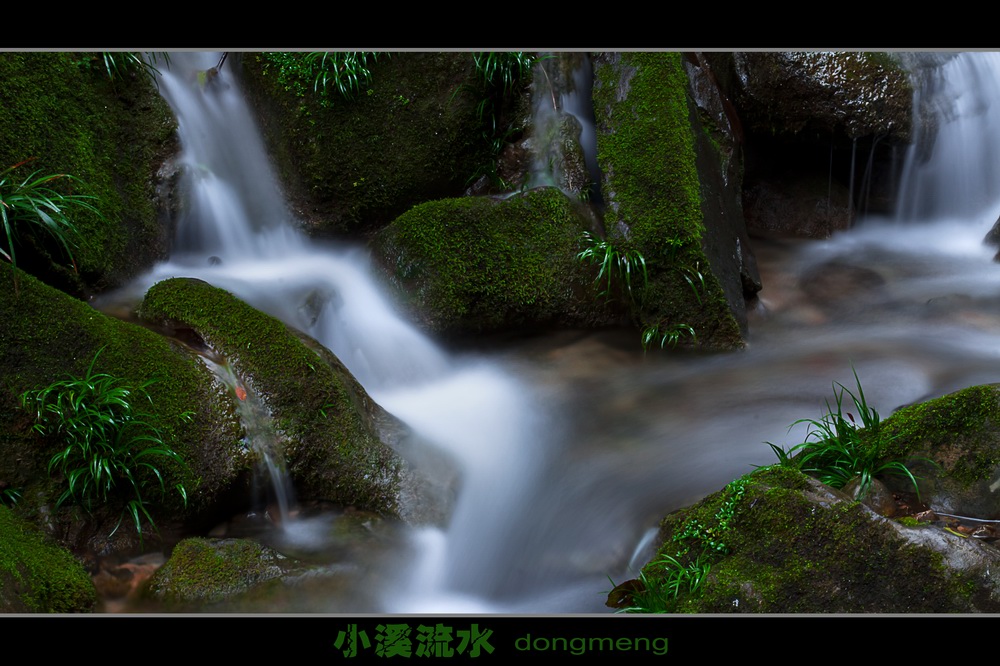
(236, 233)
(953, 166)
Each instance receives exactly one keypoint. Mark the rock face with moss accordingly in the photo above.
(481, 265)
(954, 443)
(36, 575)
(778, 541)
(793, 545)
(46, 335)
(352, 165)
(324, 417)
(63, 112)
(645, 148)
(820, 132)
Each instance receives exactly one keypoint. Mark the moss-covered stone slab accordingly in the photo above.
(46, 335)
(481, 265)
(645, 148)
(324, 417)
(793, 545)
(38, 576)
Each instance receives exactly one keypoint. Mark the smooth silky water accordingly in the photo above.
(573, 445)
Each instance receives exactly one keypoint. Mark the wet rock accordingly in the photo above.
(329, 443)
(794, 545)
(797, 208)
(206, 571)
(821, 135)
(953, 443)
(482, 265)
(992, 239)
(836, 281)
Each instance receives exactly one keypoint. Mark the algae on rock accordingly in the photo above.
(483, 265)
(36, 575)
(323, 414)
(645, 147)
(45, 335)
(62, 112)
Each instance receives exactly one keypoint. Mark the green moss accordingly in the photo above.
(646, 151)
(62, 110)
(317, 405)
(479, 264)
(38, 576)
(790, 554)
(970, 416)
(355, 165)
(213, 570)
(45, 334)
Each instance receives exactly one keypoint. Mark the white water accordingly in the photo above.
(573, 446)
(238, 235)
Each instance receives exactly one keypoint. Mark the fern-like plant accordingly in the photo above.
(840, 447)
(35, 203)
(110, 451)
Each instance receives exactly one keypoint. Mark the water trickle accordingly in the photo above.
(236, 234)
(563, 143)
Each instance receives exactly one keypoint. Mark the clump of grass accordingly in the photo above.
(840, 447)
(119, 64)
(668, 337)
(34, 202)
(110, 450)
(343, 71)
(613, 261)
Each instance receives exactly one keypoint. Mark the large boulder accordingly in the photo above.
(46, 335)
(654, 195)
(64, 113)
(352, 165)
(777, 541)
(324, 419)
(481, 265)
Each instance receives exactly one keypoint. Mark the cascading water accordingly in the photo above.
(563, 483)
(237, 234)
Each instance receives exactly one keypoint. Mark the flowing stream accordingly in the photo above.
(573, 445)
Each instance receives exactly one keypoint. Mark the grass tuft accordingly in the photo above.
(111, 450)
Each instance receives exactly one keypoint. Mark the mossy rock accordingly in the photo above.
(207, 571)
(953, 445)
(46, 335)
(481, 265)
(645, 148)
(323, 416)
(796, 546)
(36, 575)
(352, 165)
(61, 111)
